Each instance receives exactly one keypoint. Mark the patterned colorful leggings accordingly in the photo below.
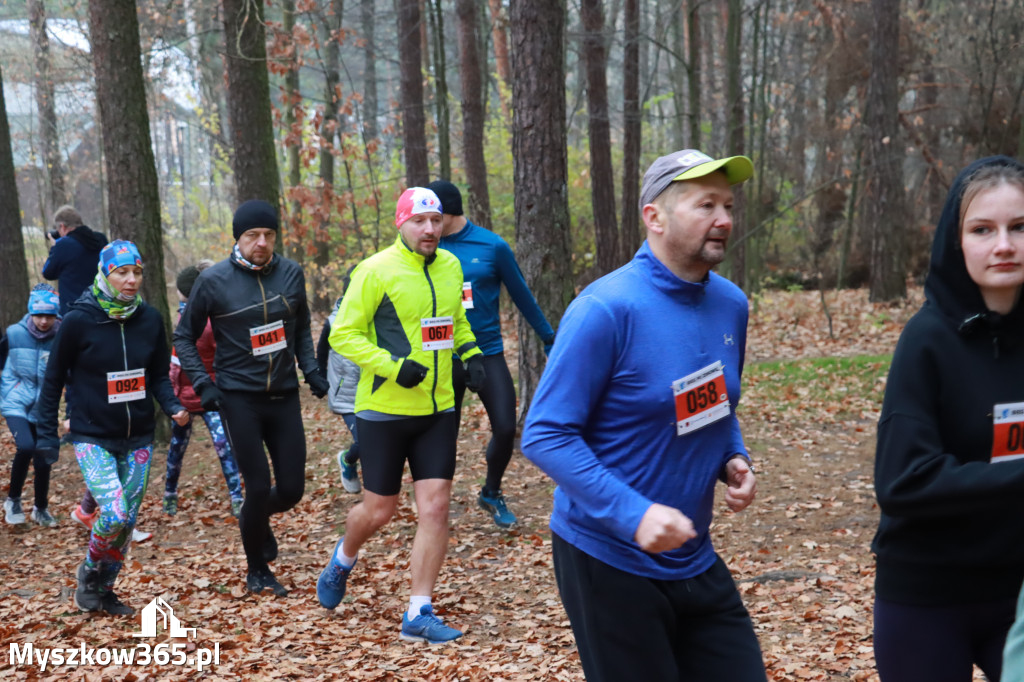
(180, 437)
(118, 482)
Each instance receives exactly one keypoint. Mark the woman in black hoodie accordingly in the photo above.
(949, 468)
(115, 349)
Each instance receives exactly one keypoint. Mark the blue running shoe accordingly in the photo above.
(427, 627)
(494, 504)
(330, 587)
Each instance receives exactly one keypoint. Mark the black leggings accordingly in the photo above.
(499, 398)
(24, 433)
(252, 420)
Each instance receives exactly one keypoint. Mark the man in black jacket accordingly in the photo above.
(73, 256)
(256, 302)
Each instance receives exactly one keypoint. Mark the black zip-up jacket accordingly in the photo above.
(236, 300)
(89, 345)
(952, 523)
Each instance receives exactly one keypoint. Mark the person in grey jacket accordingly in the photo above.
(343, 378)
(256, 303)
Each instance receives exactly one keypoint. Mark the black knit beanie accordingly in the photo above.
(186, 278)
(451, 198)
(252, 214)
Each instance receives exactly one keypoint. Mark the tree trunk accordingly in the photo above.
(694, 74)
(14, 274)
(499, 35)
(736, 133)
(248, 93)
(133, 197)
(49, 139)
(540, 171)
(884, 154)
(630, 236)
(414, 135)
(473, 115)
(602, 175)
(369, 69)
(444, 144)
(290, 100)
(330, 38)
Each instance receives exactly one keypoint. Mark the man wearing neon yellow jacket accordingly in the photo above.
(400, 321)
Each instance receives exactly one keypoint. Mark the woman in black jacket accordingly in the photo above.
(949, 469)
(114, 348)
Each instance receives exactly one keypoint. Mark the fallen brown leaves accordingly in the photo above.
(800, 554)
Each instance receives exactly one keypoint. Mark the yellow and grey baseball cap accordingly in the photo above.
(689, 164)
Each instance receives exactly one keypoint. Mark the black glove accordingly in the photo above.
(410, 374)
(547, 345)
(476, 374)
(211, 398)
(45, 456)
(318, 386)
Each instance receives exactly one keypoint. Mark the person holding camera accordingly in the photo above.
(74, 250)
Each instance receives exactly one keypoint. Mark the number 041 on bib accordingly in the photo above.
(700, 398)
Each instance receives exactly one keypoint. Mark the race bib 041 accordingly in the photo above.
(268, 338)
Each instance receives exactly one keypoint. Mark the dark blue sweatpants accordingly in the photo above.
(941, 643)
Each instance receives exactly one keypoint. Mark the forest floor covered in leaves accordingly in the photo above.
(800, 553)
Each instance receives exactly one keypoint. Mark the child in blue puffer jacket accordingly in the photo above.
(29, 342)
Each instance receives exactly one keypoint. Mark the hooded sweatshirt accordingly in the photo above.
(951, 530)
(90, 345)
(72, 262)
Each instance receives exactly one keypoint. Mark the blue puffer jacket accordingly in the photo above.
(23, 373)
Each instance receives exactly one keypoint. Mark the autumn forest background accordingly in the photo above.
(156, 118)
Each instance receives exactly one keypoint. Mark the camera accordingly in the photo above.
(54, 234)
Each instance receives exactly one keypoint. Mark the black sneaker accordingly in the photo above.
(261, 579)
(109, 603)
(269, 546)
(87, 594)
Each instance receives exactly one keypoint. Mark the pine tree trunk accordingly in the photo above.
(630, 235)
(499, 36)
(414, 135)
(248, 93)
(885, 157)
(602, 175)
(292, 98)
(369, 69)
(444, 143)
(49, 138)
(133, 198)
(694, 73)
(14, 274)
(329, 132)
(473, 118)
(540, 171)
(735, 139)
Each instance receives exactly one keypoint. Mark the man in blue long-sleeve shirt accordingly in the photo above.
(487, 263)
(635, 420)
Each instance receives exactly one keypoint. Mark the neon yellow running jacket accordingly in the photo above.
(400, 306)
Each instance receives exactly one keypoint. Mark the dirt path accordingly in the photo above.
(800, 554)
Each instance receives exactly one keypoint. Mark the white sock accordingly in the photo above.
(344, 559)
(415, 604)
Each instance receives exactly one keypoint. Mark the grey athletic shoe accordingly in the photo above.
(12, 511)
(43, 517)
